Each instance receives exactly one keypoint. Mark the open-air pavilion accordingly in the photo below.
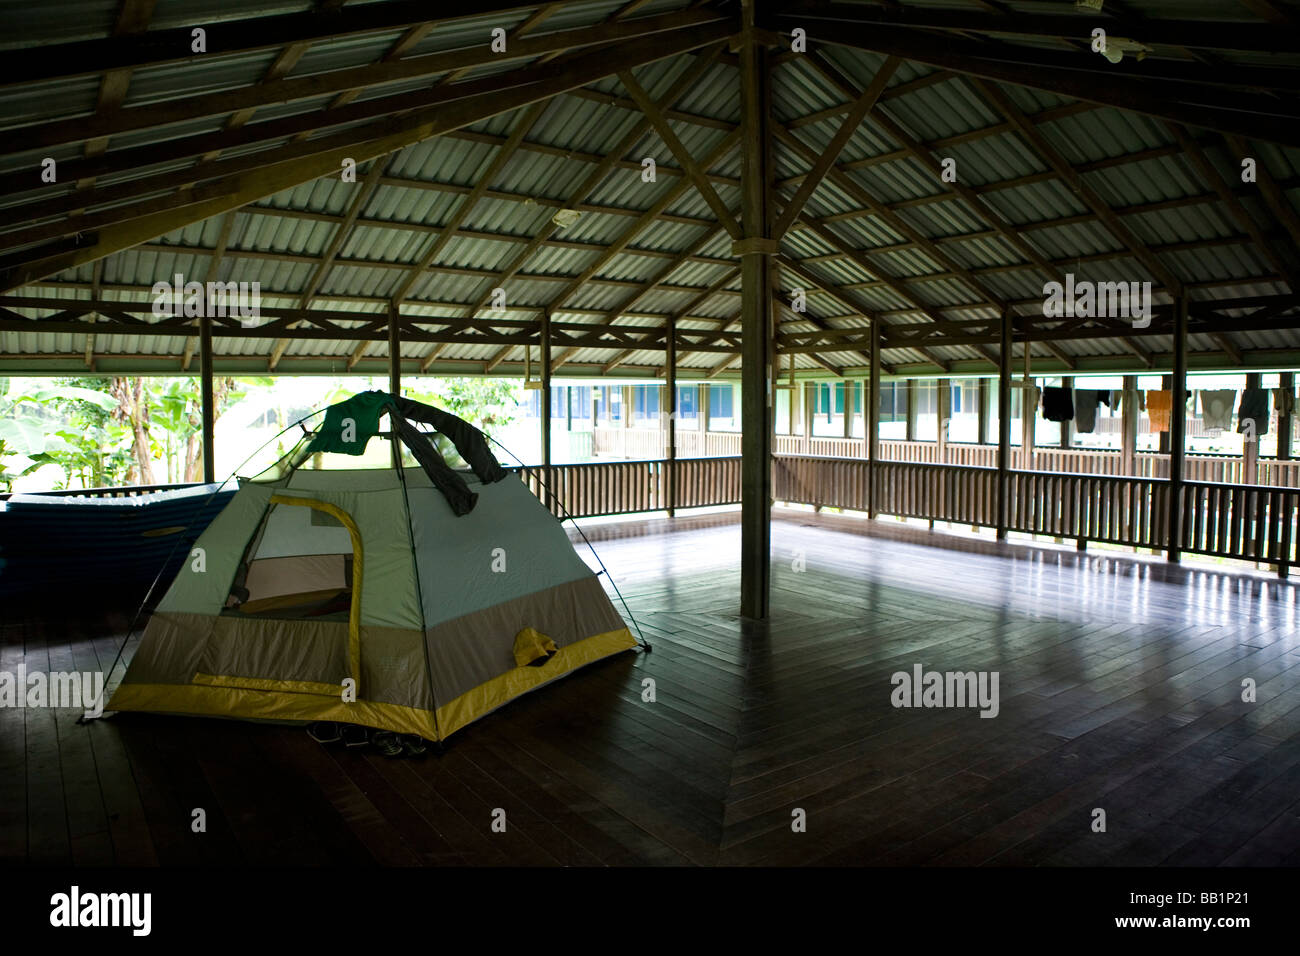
(849, 203)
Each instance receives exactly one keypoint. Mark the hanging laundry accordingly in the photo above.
(1253, 408)
(1284, 400)
(1085, 409)
(1158, 404)
(1058, 404)
(1216, 407)
(1108, 398)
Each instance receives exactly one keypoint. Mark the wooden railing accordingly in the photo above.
(646, 443)
(629, 487)
(121, 491)
(1245, 522)
(1228, 520)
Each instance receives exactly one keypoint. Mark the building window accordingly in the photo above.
(720, 401)
(686, 399)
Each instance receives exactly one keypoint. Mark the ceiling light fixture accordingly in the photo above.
(565, 218)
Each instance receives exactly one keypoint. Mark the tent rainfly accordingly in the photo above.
(414, 598)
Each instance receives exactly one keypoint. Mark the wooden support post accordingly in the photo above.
(394, 375)
(1250, 451)
(756, 323)
(1286, 417)
(546, 395)
(982, 422)
(394, 353)
(871, 407)
(809, 415)
(703, 423)
(670, 407)
(1028, 410)
(944, 404)
(1128, 424)
(207, 403)
(1177, 429)
(847, 391)
(1166, 382)
(1004, 426)
(910, 433)
(1067, 427)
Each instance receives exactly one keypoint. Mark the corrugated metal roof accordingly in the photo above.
(1193, 233)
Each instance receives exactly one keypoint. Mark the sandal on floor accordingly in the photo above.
(412, 745)
(354, 736)
(385, 742)
(324, 732)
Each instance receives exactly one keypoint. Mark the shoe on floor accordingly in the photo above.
(413, 745)
(354, 736)
(386, 743)
(324, 732)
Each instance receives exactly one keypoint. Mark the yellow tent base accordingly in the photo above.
(208, 700)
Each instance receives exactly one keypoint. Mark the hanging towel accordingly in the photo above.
(1158, 403)
(1284, 400)
(1108, 398)
(1058, 404)
(1216, 407)
(1085, 409)
(1254, 407)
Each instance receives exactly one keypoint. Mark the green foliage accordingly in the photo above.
(486, 403)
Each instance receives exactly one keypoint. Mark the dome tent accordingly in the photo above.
(414, 598)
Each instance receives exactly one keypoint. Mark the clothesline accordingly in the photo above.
(1079, 405)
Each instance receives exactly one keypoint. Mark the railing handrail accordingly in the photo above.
(107, 491)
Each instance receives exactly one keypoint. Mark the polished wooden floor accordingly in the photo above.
(1120, 685)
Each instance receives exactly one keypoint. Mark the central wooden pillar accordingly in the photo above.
(755, 250)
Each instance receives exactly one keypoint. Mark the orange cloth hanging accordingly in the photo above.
(1159, 402)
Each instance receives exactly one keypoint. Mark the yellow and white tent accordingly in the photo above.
(414, 599)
